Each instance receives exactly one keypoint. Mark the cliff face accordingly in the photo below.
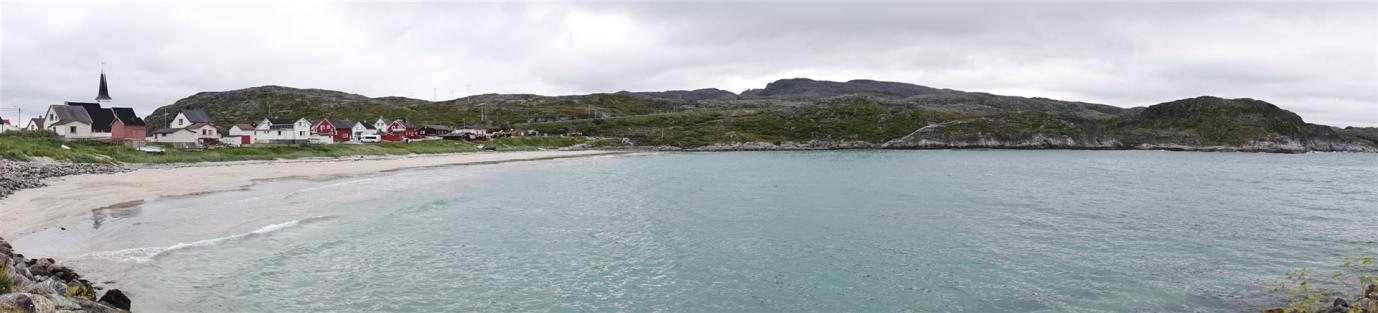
(40, 285)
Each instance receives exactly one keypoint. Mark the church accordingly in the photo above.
(95, 121)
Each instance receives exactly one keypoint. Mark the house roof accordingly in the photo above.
(4, 122)
(243, 126)
(197, 116)
(127, 116)
(198, 125)
(367, 125)
(438, 127)
(37, 122)
(339, 123)
(281, 121)
(100, 117)
(66, 114)
(402, 123)
(104, 93)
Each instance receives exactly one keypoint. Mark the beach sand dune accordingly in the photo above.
(68, 199)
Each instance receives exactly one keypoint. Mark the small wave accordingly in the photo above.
(142, 255)
(309, 189)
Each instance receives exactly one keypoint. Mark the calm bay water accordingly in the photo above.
(868, 231)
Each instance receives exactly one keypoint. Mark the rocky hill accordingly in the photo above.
(804, 113)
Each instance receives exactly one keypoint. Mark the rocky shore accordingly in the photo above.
(31, 174)
(40, 285)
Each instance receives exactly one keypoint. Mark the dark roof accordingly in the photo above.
(67, 113)
(339, 123)
(104, 93)
(127, 116)
(37, 121)
(100, 118)
(367, 125)
(281, 121)
(403, 123)
(438, 127)
(243, 126)
(197, 116)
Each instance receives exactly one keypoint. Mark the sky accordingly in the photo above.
(1317, 59)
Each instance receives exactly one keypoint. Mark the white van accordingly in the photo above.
(370, 138)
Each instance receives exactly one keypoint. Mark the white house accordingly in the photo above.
(190, 126)
(283, 131)
(71, 122)
(360, 129)
(240, 135)
(34, 124)
(381, 123)
(176, 136)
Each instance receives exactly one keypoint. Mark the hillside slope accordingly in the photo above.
(804, 113)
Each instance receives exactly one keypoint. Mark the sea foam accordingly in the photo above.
(146, 254)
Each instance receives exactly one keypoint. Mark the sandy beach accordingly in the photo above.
(68, 199)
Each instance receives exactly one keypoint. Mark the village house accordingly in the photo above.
(34, 124)
(400, 130)
(337, 130)
(127, 126)
(432, 130)
(6, 126)
(191, 127)
(70, 122)
(239, 135)
(283, 131)
(381, 124)
(361, 129)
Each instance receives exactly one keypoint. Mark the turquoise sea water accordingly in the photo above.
(829, 231)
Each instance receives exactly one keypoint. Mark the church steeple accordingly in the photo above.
(104, 94)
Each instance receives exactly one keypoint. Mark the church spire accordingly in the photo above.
(104, 94)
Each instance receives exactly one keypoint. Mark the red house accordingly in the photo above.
(339, 130)
(400, 130)
(127, 126)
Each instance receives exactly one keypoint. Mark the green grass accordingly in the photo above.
(27, 147)
(5, 283)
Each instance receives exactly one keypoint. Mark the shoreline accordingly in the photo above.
(65, 200)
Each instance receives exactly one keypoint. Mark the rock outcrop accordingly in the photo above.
(41, 285)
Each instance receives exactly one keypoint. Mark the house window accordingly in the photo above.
(301, 133)
(50, 116)
(179, 122)
(279, 133)
(72, 130)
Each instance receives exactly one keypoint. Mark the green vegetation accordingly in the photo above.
(802, 110)
(78, 291)
(27, 145)
(1357, 277)
(5, 282)
(845, 119)
(1216, 121)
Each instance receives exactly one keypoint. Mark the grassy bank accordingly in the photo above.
(28, 145)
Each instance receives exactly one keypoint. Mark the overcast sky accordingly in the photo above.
(1319, 60)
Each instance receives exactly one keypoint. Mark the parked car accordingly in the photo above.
(370, 138)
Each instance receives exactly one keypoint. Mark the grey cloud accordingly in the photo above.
(1319, 59)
